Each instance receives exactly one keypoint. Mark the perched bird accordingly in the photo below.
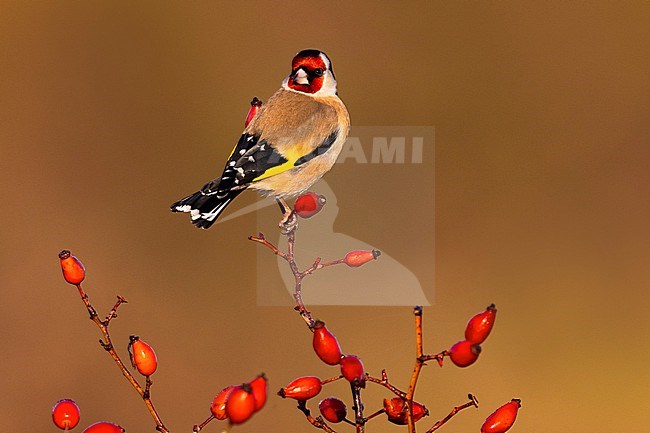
(292, 141)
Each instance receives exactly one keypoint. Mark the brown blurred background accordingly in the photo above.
(109, 111)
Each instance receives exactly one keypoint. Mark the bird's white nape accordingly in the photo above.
(326, 60)
(329, 85)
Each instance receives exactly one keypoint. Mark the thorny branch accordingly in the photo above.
(420, 360)
(317, 422)
(107, 344)
(472, 402)
(386, 384)
(298, 275)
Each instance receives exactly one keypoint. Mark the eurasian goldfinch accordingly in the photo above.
(291, 142)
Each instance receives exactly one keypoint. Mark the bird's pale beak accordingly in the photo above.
(301, 77)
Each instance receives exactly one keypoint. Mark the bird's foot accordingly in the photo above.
(288, 223)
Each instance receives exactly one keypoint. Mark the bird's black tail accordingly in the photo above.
(205, 207)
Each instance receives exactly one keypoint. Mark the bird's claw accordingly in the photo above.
(288, 223)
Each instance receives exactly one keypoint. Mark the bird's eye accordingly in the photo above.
(319, 72)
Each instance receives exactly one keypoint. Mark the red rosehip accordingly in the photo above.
(73, 270)
(143, 358)
(104, 427)
(65, 414)
(325, 344)
(479, 326)
(218, 406)
(396, 413)
(503, 418)
(260, 391)
(256, 104)
(240, 404)
(358, 258)
(302, 388)
(464, 353)
(309, 204)
(352, 370)
(333, 409)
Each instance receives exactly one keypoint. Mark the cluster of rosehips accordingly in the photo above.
(309, 204)
(143, 358)
(462, 354)
(66, 416)
(466, 352)
(238, 403)
(327, 348)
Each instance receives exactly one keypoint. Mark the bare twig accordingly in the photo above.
(417, 312)
(420, 359)
(472, 402)
(317, 422)
(107, 344)
(198, 428)
(331, 379)
(289, 230)
(262, 240)
(372, 415)
(113, 313)
(386, 384)
(438, 357)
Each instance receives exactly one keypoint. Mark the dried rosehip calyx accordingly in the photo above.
(65, 414)
(302, 388)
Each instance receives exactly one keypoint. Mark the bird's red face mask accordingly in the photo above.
(307, 72)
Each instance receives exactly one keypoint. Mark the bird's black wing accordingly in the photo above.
(250, 159)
